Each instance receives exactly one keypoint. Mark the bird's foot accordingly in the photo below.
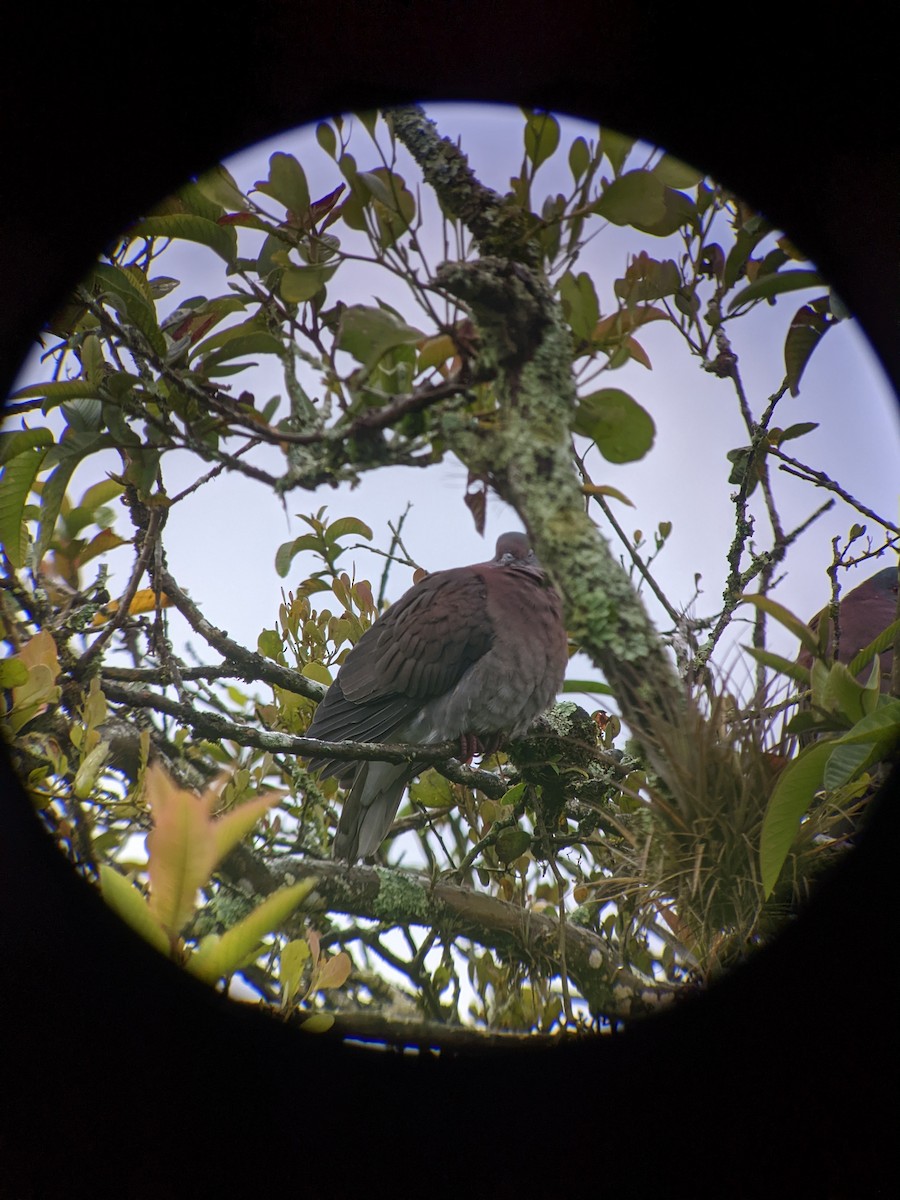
(471, 745)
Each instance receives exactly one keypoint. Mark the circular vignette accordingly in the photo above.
(136, 1010)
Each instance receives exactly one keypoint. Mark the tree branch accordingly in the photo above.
(383, 895)
(248, 664)
(212, 726)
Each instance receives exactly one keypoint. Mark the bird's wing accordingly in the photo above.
(417, 651)
(425, 642)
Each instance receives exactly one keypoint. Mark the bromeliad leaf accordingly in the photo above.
(791, 797)
(786, 618)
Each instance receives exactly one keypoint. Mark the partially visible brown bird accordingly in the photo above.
(474, 653)
(864, 613)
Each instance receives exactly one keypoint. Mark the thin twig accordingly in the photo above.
(128, 595)
(820, 479)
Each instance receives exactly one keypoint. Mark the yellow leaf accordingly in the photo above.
(335, 972)
(292, 960)
(605, 489)
(317, 671)
(222, 957)
(35, 696)
(181, 849)
(229, 829)
(186, 842)
(89, 771)
(127, 902)
(41, 649)
(435, 350)
(318, 1023)
(145, 600)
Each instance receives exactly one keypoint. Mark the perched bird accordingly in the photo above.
(474, 653)
(864, 613)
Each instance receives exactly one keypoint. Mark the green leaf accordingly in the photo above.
(579, 158)
(622, 430)
(844, 764)
(369, 120)
(89, 770)
(299, 284)
(215, 959)
(327, 138)
(635, 197)
(12, 444)
(784, 617)
(13, 673)
(513, 795)
(287, 183)
(189, 228)
(588, 686)
(511, 843)
(541, 137)
(245, 333)
(72, 450)
(843, 694)
(883, 642)
(873, 739)
(675, 173)
(580, 305)
(793, 793)
(881, 726)
(59, 392)
(347, 525)
(793, 431)
(767, 286)
(616, 146)
(393, 203)
(369, 333)
(16, 483)
(219, 187)
(808, 326)
(287, 551)
(127, 902)
(679, 211)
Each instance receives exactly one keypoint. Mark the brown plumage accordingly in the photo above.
(474, 653)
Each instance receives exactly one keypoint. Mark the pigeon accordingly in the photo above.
(472, 654)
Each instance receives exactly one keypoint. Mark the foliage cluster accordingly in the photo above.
(571, 879)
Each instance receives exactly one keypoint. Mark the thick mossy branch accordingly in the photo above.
(498, 227)
(524, 446)
(521, 934)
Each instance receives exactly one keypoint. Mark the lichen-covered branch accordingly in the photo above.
(532, 938)
(524, 447)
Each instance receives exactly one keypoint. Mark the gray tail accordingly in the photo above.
(370, 808)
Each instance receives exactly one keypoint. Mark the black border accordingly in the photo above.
(119, 1072)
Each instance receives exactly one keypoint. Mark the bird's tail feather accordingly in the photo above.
(370, 808)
